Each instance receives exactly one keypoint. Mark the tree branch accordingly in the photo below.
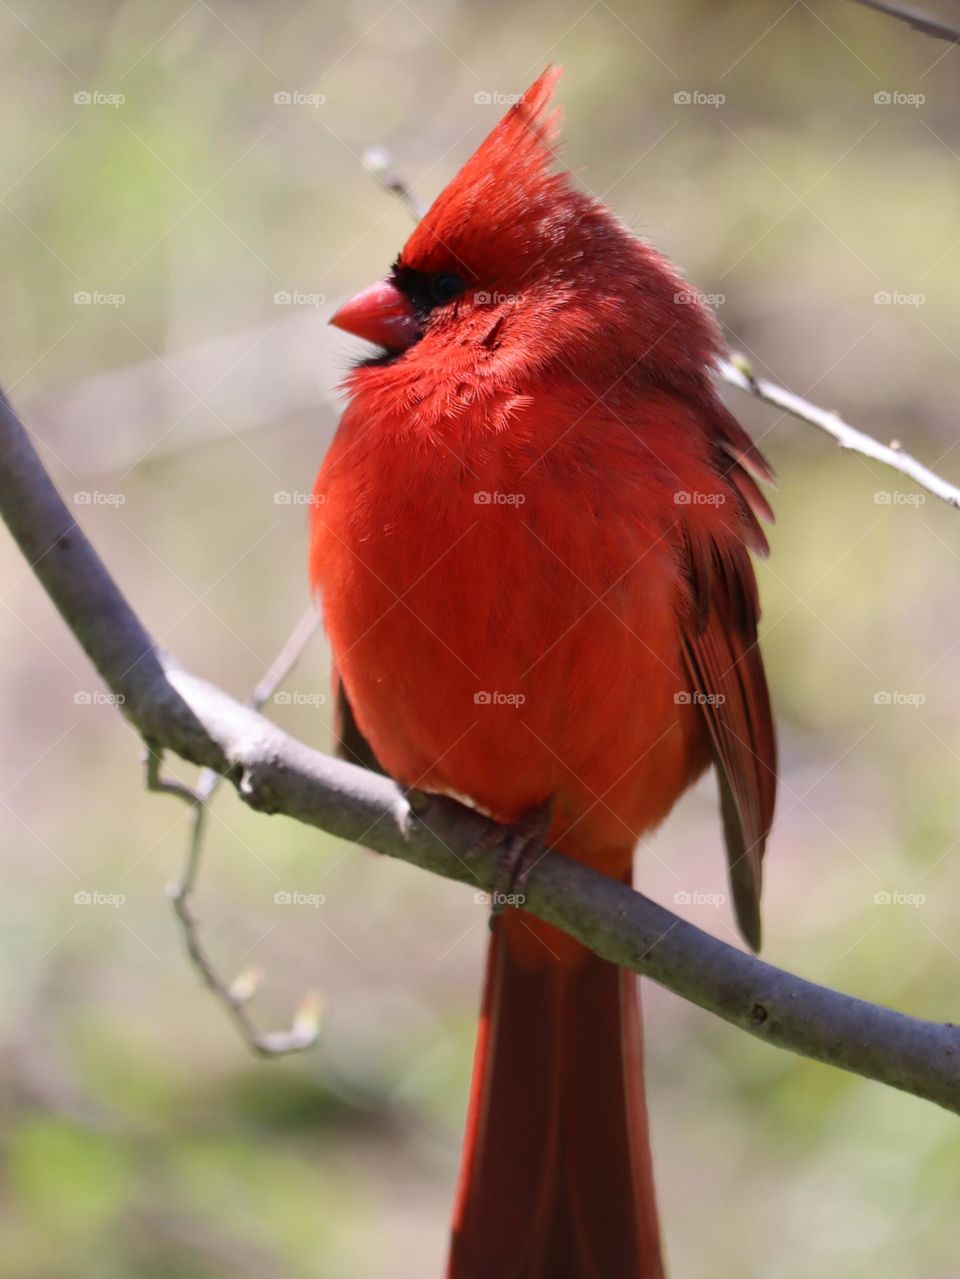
(274, 773)
(738, 373)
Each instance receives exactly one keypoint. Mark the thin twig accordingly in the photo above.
(378, 161)
(929, 24)
(236, 995)
(738, 373)
(287, 658)
(277, 672)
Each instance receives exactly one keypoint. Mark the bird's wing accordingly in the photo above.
(719, 639)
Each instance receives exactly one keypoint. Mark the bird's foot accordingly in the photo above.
(521, 847)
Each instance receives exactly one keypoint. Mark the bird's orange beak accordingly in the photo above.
(380, 314)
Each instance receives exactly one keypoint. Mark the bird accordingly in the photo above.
(532, 539)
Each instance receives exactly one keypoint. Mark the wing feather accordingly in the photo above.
(722, 656)
(349, 743)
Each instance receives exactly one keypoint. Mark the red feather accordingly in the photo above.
(556, 1180)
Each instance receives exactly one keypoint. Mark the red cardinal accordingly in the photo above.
(531, 535)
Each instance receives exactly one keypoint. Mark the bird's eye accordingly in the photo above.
(445, 286)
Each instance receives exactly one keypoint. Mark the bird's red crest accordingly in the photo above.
(505, 185)
(515, 269)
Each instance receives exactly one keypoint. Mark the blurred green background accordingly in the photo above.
(147, 166)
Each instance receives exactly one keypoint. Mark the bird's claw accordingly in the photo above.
(521, 847)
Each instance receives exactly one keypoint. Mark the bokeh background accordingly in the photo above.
(174, 236)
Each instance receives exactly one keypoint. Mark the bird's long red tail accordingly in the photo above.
(556, 1181)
